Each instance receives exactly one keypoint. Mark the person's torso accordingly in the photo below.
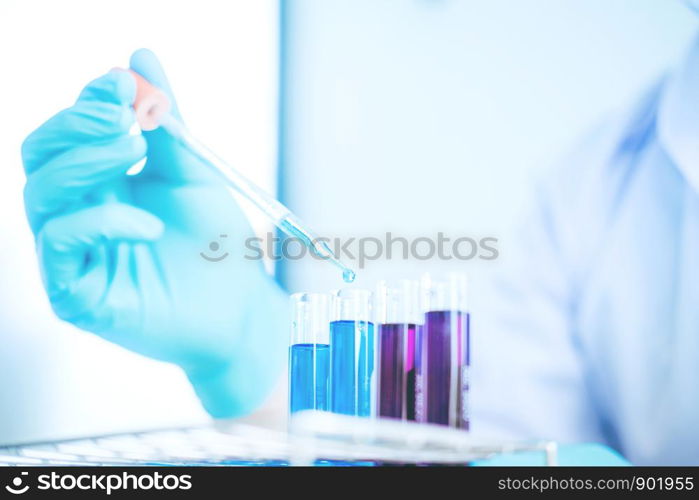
(637, 311)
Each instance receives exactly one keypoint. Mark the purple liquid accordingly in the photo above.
(397, 370)
(442, 369)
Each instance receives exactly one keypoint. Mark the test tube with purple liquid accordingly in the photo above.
(443, 354)
(399, 321)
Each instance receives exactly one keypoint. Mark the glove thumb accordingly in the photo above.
(145, 63)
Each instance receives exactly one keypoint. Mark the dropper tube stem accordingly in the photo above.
(278, 213)
(152, 107)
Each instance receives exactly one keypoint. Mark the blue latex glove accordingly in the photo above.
(121, 256)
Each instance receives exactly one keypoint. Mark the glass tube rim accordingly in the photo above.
(447, 292)
(409, 309)
(352, 304)
(310, 318)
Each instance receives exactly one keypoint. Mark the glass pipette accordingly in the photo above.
(153, 110)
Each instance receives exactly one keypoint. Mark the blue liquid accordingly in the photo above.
(309, 366)
(351, 367)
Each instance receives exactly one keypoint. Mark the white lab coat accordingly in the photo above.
(593, 331)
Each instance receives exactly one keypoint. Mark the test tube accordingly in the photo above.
(399, 323)
(352, 353)
(444, 353)
(309, 352)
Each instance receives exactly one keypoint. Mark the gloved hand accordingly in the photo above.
(130, 257)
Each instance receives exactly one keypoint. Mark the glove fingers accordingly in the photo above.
(115, 87)
(106, 299)
(70, 176)
(80, 303)
(90, 119)
(70, 246)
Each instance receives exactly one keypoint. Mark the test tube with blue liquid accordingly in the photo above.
(399, 321)
(352, 353)
(443, 357)
(309, 352)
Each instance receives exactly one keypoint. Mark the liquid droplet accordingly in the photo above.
(348, 275)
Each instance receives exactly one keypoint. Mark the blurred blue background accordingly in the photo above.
(415, 116)
(409, 116)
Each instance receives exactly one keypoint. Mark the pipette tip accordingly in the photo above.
(348, 275)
